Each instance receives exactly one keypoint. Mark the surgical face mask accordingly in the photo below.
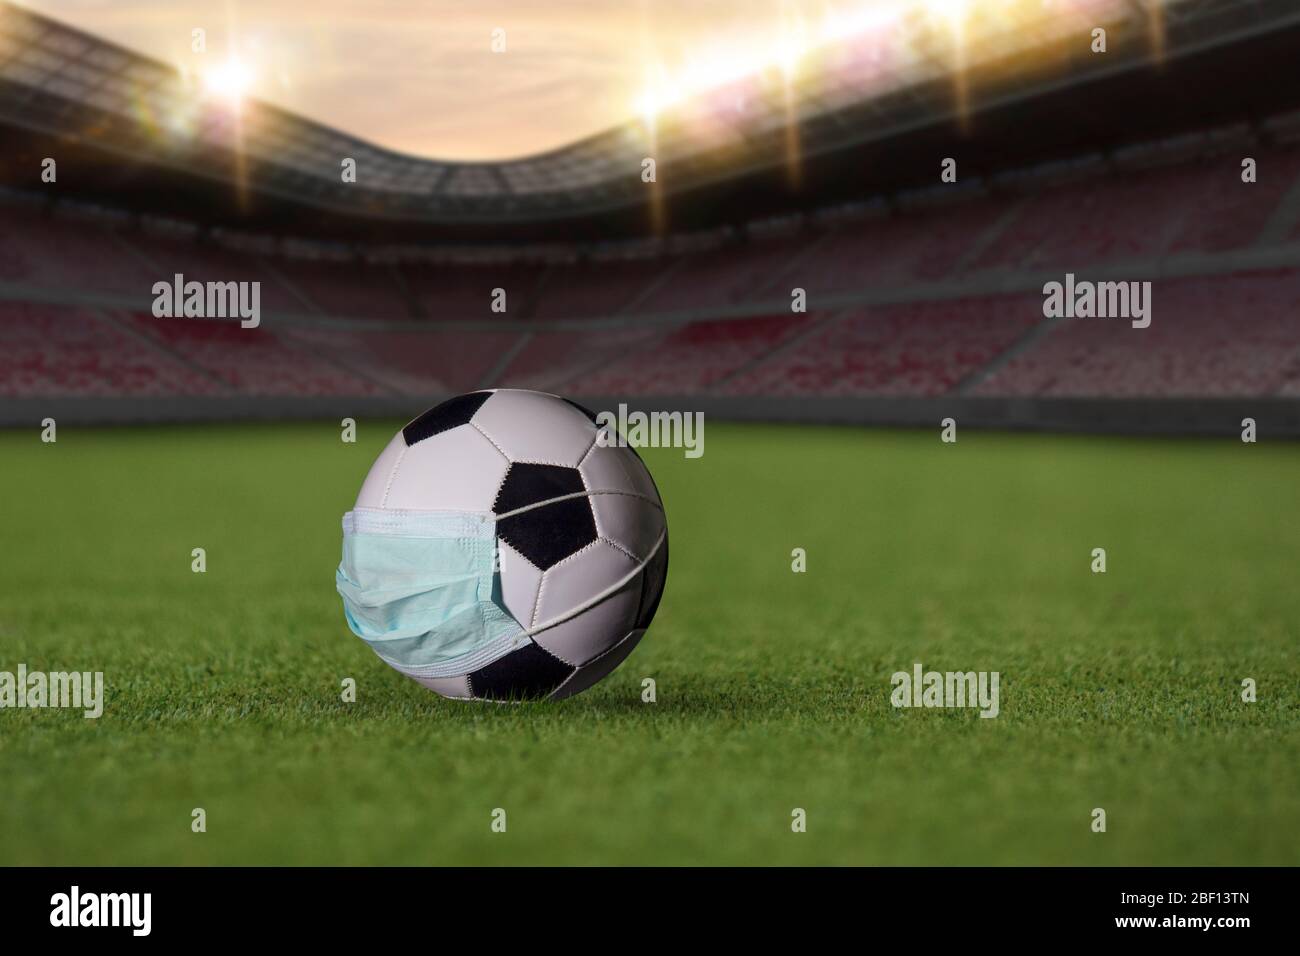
(417, 587)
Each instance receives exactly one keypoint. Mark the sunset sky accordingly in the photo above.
(420, 76)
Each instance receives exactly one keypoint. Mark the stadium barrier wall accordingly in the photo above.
(1274, 417)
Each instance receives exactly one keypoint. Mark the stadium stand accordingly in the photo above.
(691, 358)
(450, 291)
(414, 362)
(210, 262)
(722, 277)
(346, 287)
(383, 288)
(1226, 335)
(554, 360)
(251, 361)
(913, 349)
(1230, 335)
(1143, 214)
(48, 350)
(608, 287)
(40, 249)
(905, 247)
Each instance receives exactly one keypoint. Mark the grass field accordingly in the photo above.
(1118, 690)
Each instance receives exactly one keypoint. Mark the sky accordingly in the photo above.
(420, 76)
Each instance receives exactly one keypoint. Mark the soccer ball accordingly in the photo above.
(496, 452)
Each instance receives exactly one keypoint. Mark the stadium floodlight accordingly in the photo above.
(230, 81)
(818, 47)
(749, 103)
(950, 10)
(796, 41)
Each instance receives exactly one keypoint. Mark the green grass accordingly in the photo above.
(1119, 690)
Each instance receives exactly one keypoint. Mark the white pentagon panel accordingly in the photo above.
(573, 582)
(520, 581)
(454, 470)
(633, 524)
(373, 488)
(597, 670)
(613, 466)
(447, 686)
(640, 475)
(533, 427)
(630, 522)
(609, 467)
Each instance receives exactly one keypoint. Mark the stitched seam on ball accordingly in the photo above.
(518, 555)
(479, 428)
(388, 485)
(594, 439)
(505, 474)
(610, 650)
(618, 547)
(544, 461)
(582, 667)
(497, 494)
(601, 596)
(537, 599)
(565, 560)
(591, 504)
(547, 650)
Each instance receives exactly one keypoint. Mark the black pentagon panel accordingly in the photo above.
(444, 417)
(653, 578)
(527, 484)
(551, 533)
(528, 673)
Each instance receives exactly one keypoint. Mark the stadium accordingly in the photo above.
(836, 251)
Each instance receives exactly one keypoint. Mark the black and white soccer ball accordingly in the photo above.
(498, 451)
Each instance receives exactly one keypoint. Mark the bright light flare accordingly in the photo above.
(794, 47)
(230, 81)
(786, 52)
(951, 10)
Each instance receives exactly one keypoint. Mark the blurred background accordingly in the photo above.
(799, 148)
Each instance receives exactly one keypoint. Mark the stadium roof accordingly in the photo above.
(877, 79)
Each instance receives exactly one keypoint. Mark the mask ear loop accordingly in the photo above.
(577, 494)
(608, 592)
(617, 585)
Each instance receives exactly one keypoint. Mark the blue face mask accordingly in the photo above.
(417, 587)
